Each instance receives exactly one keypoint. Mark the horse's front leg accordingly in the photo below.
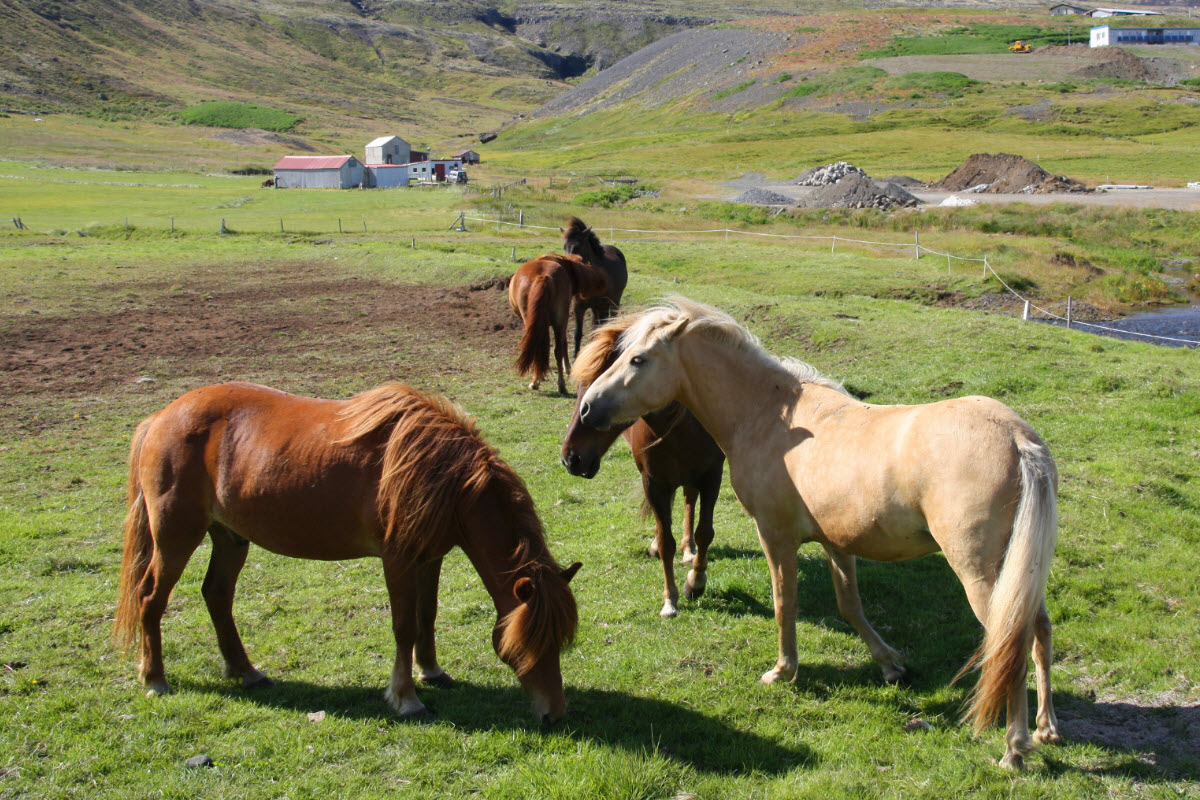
(425, 650)
(844, 570)
(402, 583)
(780, 549)
(661, 498)
(580, 312)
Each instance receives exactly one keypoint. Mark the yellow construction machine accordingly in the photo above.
(1019, 47)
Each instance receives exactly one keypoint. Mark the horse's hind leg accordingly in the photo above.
(560, 356)
(1043, 654)
(697, 577)
(229, 553)
(425, 651)
(176, 534)
(844, 570)
(402, 583)
(580, 311)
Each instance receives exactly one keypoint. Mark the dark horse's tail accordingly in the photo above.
(533, 351)
(139, 547)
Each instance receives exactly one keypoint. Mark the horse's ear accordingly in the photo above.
(523, 589)
(675, 329)
(570, 571)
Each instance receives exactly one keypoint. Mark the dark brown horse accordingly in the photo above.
(580, 240)
(391, 474)
(540, 292)
(672, 450)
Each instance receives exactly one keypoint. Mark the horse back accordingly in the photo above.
(268, 465)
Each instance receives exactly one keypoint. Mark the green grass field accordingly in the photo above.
(658, 708)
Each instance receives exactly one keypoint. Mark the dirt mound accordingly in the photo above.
(856, 190)
(1007, 174)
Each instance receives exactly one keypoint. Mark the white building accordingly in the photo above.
(1105, 36)
(388, 150)
(318, 172)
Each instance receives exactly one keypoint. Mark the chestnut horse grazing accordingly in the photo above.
(671, 450)
(810, 463)
(580, 240)
(391, 474)
(540, 292)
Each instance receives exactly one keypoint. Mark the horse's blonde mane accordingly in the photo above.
(714, 324)
(594, 357)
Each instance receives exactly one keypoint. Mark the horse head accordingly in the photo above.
(583, 447)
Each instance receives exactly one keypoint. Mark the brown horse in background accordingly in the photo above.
(671, 450)
(540, 292)
(390, 473)
(582, 241)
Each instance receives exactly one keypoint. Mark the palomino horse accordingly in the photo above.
(671, 449)
(390, 473)
(580, 240)
(540, 292)
(810, 463)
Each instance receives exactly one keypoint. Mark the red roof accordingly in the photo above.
(312, 162)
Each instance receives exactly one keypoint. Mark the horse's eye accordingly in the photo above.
(637, 361)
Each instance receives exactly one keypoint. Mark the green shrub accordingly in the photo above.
(608, 197)
(741, 87)
(848, 80)
(238, 115)
(1132, 286)
(931, 81)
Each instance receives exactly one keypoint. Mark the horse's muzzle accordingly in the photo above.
(580, 465)
(595, 416)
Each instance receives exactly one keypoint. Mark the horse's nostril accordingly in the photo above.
(584, 410)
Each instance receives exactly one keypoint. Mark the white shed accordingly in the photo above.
(387, 176)
(387, 150)
(318, 172)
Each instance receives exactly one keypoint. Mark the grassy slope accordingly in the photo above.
(658, 707)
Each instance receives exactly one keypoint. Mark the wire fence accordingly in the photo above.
(915, 247)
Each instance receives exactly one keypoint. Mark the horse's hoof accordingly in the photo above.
(693, 587)
(668, 610)
(257, 680)
(653, 550)
(1047, 736)
(441, 680)
(897, 675)
(1013, 761)
(687, 556)
(158, 688)
(778, 675)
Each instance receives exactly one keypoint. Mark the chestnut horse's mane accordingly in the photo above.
(435, 463)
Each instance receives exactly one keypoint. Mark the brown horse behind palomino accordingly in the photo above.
(810, 463)
(671, 450)
(580, 240)
(390, 473)
(540, 293)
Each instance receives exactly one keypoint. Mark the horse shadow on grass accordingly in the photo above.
(616, 719)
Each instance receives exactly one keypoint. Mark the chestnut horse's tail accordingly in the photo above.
(139, 547)
(533, 351)
(1019, 592)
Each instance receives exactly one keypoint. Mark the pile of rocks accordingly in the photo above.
(828, 174)
(764, 197)
(857, 190)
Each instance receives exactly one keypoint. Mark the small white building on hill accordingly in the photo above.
(388, 150)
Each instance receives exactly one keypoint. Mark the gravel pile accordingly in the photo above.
(856, 190)
(764, 197)
(828, 174)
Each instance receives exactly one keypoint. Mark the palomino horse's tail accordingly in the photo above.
(1019, 590)
(139, 547)
(533, 351)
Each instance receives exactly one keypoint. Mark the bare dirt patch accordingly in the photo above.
(1005, 173)
(215, 324)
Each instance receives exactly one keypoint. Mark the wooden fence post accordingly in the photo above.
(1025, 313)
(917, 244)
(1068, 312)
(223, 225)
